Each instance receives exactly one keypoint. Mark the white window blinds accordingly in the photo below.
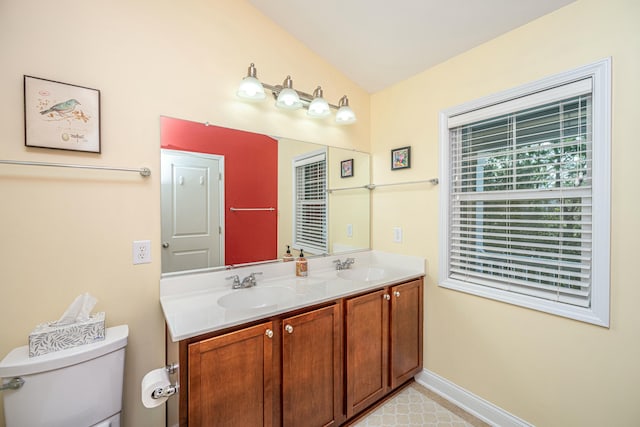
(546, 96)
(520, 199)
(310, 199)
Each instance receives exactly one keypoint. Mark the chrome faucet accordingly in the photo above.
(344, 265)
(247, 282)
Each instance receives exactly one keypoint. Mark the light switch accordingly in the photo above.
(349, 230)
(397, 234)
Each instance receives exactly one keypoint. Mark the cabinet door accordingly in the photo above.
(406, 331)
(366, 331)
(230, 379)
(312, 368)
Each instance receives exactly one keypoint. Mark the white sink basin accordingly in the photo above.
(256, 297)
(367, 274)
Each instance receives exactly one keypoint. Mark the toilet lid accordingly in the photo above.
(18, 362)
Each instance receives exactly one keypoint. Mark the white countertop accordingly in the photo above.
(190, 302)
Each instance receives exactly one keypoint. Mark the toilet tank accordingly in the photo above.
(80, 386)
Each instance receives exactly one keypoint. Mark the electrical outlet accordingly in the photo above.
(349, 230)
(141, 251)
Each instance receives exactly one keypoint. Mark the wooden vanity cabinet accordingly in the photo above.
(383, 335)
(292, 370)
(284, 372)
(231, 379)
(312, 368)
(405, 331)
(367, 354)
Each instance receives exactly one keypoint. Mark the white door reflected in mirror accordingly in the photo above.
(192, 211)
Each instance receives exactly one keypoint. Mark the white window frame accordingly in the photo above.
(598, 311)
(300, 160)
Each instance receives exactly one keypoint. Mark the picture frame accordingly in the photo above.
(401, 158)
(346, 168)
(61, 116)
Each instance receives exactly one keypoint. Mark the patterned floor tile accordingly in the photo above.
(410, 408)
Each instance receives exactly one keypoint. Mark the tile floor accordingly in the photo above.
(416, 406)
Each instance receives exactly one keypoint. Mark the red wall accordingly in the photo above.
(251, 181)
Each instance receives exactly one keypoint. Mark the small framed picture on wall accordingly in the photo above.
(346, 168)
(401, 158)
(61, 115)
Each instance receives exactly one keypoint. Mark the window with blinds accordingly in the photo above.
(310, 203)
(521, 201)
(523, 221)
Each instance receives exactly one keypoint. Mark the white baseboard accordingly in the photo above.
(475, 405)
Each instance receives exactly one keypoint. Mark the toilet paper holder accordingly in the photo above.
(172, 368)
(169, 390)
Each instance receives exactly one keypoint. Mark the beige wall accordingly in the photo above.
(65, 232)
(545, 369)
(349, 207)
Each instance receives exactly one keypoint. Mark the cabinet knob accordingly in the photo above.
(288, 328)
(386, 296)
(165, 245)
(269, 333)
(396, 293)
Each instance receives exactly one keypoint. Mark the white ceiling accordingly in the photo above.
(377, 43)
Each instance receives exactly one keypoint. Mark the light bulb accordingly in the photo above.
(288, 98)
(318, 107)
(345, 114)
(250, 87)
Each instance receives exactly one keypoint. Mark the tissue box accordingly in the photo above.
(48, 337)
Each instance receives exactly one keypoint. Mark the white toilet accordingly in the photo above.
(77, 387)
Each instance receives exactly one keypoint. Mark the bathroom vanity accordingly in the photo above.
(290, 351)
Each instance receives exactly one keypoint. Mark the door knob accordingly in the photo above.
(288, 328)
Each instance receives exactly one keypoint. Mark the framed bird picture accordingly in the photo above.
(61, 115)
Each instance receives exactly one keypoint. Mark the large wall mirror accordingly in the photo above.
(232, 197)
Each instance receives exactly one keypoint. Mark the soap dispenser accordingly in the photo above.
(301, 265)
(288, 256)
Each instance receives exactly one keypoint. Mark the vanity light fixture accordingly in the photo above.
(288, 98)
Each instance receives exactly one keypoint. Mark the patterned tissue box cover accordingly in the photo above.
(48, 337)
